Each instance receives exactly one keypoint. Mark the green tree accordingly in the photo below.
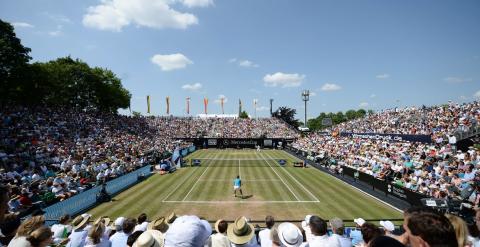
(351, 114)
(13, 57)
(243, 114)
(136, 114)
(287, 115)
(361, 113)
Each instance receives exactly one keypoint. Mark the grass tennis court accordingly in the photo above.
(287, 193)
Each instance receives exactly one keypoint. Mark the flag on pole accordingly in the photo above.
(168, 105)
(148, 104)
(188, 105)
(205, 104)
(221, 102)
(239, 107)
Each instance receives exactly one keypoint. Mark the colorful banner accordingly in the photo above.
(188, 105)
(168, 105)
(205, 104)
(148, 104)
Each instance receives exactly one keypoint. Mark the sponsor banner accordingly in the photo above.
(390, 137)
(405, 194)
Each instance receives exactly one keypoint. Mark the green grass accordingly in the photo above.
(288, 193)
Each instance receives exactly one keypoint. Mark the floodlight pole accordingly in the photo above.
(305, 98)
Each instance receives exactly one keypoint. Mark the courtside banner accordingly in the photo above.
(390, 137)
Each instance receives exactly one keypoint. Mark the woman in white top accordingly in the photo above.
(96, 237)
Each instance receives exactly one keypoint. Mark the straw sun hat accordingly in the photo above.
(240, 232)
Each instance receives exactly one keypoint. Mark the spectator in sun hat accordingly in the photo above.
(119, 239)
(118, 223)
(220, 239)
(388, 227)
(150, 238)
(79, 234)
(320, 234)
(356, 234)
(338, 229)
(264, 235)
(306, 228)
(159, 224)
(241, 233)
(133, 238)
(187, 231)
(171, 218)
(289, 235)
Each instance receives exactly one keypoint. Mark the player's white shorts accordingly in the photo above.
(236, 187)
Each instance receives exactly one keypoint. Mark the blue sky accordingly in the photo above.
(349, 54)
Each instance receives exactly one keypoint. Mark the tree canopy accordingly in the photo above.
(287, 115)
(61, 82)
(339, 117)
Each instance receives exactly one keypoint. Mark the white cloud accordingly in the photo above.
(383, 76)
(477, 94)
(197, 3)
(247, 64)
(363, 104)
(283, 80)
(22, 25)
(192, 87)
(57, 32)
(313, 94)
(58, 18)
(373, 95)
(330, 87)
(232, 60)
(113, 15)
(457, 79)
(218, 100)
(171, 61)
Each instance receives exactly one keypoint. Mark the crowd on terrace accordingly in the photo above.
(438, 121)
(438, 169)
(47, 155)
(421, 227)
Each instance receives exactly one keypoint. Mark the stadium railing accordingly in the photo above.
(85, 200)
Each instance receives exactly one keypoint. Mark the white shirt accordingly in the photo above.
(142, 227)
(77, 238)
(265, 240)
(344, 242)
(119, 239)
(323, 241)
(103, 243)
(219, 240)
(251, 243)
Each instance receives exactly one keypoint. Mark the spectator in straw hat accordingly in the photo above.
(150, 238)
(133, 238)
(24, 230)
(96, 236)
(79, 234)
(388, 227)
(338, 230)
(290, 235)
(159, 224)
(220, 238)
(119, 239)
(264, 235)
(171, 218)
(240, 233)
(106, 222)
(188, 231)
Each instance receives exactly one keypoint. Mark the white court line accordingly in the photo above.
(243, 202)
(363, 192)
(281, 179)
(247, 180)
(178, 185)
(198, 179)
(298, 182)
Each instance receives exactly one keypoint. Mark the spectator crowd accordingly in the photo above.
(421, 227)
(48, 155)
